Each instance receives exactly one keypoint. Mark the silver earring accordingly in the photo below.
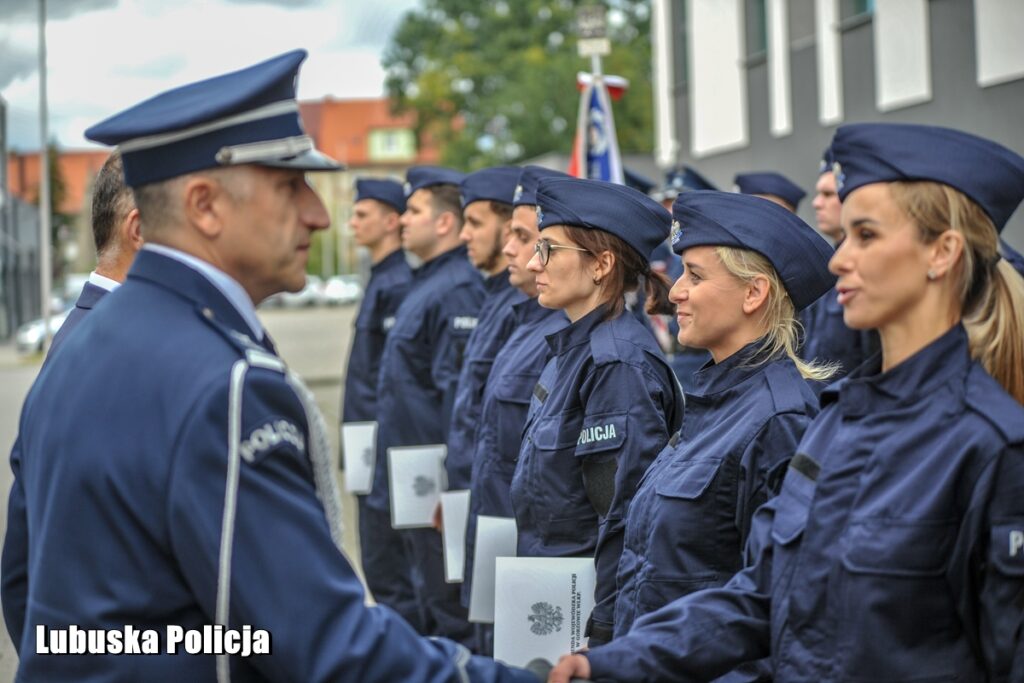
(931, 274)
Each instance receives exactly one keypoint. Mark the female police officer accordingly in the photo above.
(895, 550)
(749, 267)
(607, 401)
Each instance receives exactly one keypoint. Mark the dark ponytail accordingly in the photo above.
(625, 276)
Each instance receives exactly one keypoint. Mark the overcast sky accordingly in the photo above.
(105, 55)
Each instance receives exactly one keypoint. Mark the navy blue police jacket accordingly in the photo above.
(606, 398)
(827, 339)
(894, 551)
(506, 402)
(120, 507)
(90, 296)
(388, 286)
(496, 321)
(690, 517)
(422, 358)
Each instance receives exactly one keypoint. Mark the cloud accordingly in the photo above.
(103, 61)
(18, 62)
(280, 3)
(28, 10)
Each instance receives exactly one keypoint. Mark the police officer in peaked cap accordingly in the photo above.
(211, 501)
(895, 549)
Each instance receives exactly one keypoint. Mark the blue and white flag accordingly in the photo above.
(596, 152)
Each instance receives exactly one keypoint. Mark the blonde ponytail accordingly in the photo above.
(782, 330)
(991, 291)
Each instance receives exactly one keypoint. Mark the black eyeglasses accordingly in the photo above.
(543, 248)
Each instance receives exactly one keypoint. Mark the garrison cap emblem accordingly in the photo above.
(837, 171)
(677, 231)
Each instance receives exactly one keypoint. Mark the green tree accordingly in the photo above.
(495, 82)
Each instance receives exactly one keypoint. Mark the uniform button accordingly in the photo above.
(208, 313)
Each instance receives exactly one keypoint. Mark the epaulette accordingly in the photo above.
(786, 394)
(991, 402)
(246, 346)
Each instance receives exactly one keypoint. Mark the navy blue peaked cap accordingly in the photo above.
(243, 117)
(632, 216)
(419, 177)
(769, 182)
(386, 191)
(526, 190)
(797, 252)
(496, 184)
(988, 173)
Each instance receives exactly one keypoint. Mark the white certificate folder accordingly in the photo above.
(495, 537)
(416, 477)
(359, 453)
(541, 607)
(454, 518)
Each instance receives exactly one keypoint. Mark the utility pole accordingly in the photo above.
(45, 269)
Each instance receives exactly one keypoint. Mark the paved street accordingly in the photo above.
(314, 341)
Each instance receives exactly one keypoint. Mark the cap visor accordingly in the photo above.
(312, 160)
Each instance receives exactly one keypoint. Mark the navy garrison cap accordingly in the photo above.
(683, 179)
(497, 184)
(632, 216)
(988, 173)
(243, 117)
(526, 190)
(419, 177)
(797, 252)
(386, 191)
(827, 159)
(637, 181)
(772, 183)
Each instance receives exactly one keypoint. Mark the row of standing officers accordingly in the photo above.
(763, 527)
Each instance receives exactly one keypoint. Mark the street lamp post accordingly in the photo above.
(44, 184)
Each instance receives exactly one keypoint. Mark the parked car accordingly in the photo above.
(310, 295)
(342, 289)
(29, 338)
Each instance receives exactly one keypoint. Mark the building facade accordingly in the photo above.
(744, 85)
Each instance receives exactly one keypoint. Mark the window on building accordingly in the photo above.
(801, 21)
(757, 29)
(851, 9)
(392, 144)
(679, 31)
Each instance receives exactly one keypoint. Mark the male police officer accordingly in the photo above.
(376, 226)
(827, 339)
(211, 500)
(419, 370)
(115, 230)
(487, 205)
(514, 372)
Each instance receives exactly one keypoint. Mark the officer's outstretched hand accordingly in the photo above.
(570, 667)
(437, 521)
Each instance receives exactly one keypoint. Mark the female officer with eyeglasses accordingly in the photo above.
(607, 401)
(895, 550)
